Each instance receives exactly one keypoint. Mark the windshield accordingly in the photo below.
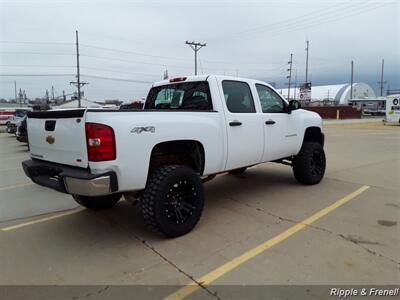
(187, 96)
(19, 113)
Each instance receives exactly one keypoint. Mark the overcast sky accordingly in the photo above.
(138, 40)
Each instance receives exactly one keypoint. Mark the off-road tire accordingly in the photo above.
(239, 171)
(162, 192)
(309, 165)
(98, 203)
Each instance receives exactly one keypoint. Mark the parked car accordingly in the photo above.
(132, 105)
(22, 132)
(9, 114)
(190, 129)
(12, 126)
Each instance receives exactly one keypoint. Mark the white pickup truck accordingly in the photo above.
(190, 129)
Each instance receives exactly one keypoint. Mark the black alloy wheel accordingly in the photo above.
(310, 163)
(173, 200)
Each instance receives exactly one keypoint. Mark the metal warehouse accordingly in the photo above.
(340, 93)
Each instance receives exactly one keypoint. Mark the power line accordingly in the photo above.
(133, 52)
(35, 75)
(117, 79)
(271, 25)
(165, 57)
(132, 61)
(328, 19)
(296, 25)
(118, 71)
(286, 22)
(36, 43)
(37, 66)
(35, 53)
(89, 68)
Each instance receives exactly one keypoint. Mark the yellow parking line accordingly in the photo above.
(230, 265)
(15, 186)
(13, 227)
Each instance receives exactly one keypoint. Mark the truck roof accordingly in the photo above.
(192, 78)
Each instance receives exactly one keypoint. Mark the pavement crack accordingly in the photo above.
(152, 248)
(328, 176)
(365, 165)
(359, 242)
(164, 258)
(362, 245)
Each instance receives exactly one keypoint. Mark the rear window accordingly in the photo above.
(187, 95)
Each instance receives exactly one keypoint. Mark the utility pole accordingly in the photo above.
(20, 97)
(381, 83)
(52, 93)
(64, 98)
(165, 74)
(295, 83)
(307, 49)
(78, 82)
(290, 63)
(15, 90)
(195, 47)
(47, 96)
(351, 80)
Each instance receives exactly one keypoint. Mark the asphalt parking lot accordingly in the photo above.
(262, 228)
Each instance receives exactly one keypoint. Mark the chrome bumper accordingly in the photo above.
(70, 180)
(92, 187)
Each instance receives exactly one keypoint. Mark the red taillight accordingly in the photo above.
(100, 141)
(177, 79)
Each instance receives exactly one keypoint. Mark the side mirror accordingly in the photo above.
(293, 105)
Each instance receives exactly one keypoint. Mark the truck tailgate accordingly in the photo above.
(58, 136)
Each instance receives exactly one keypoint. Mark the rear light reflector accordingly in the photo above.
(100, 140)
(177, 79)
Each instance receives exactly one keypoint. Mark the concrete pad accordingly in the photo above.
(12, 176)
(372, 221)
(79, 249)
(383, 174)
(348, 246)
(32, 200)
(314, 257)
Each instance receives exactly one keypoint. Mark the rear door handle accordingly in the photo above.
(235, 123)
(269, 122)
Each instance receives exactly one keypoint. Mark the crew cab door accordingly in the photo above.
(244, 125)
(280, 132)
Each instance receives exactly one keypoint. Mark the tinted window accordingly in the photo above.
(238, 97)
(187, 95)
(270, 101)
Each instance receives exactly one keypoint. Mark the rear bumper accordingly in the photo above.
(70, 180)
(11, 130)
(22, 138)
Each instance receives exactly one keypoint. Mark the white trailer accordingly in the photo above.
(392, 109)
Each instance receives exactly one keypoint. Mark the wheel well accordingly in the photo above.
(183, 152)
(314, 134)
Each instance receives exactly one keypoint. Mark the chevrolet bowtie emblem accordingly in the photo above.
(50, 139)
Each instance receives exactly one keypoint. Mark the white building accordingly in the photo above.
(339, 93)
